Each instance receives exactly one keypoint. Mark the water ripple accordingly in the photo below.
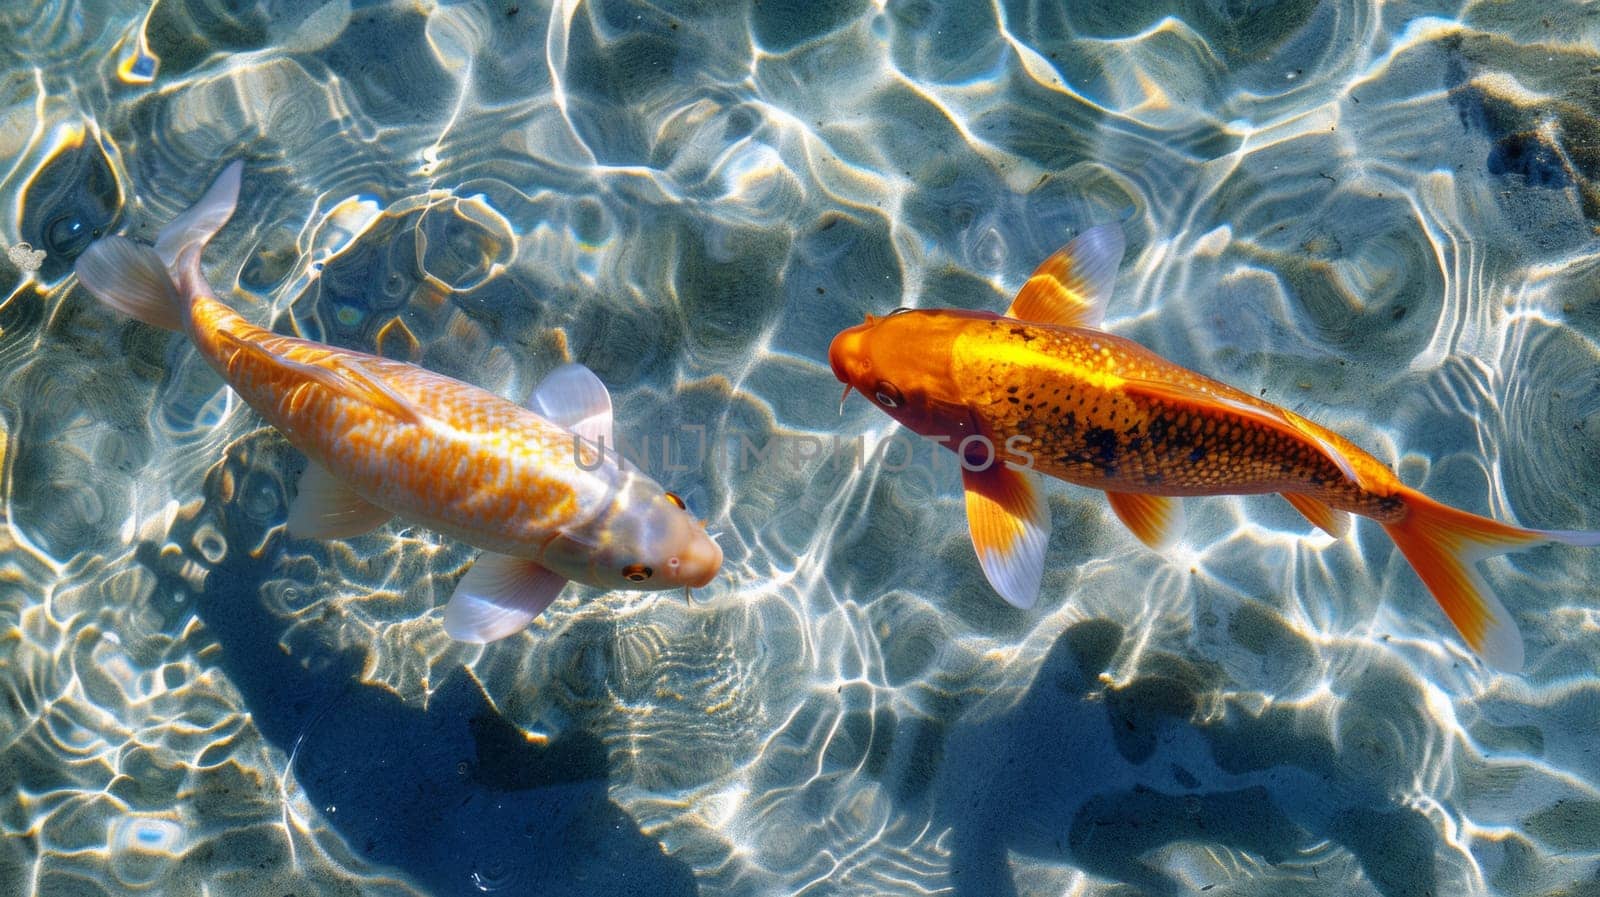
(1379, 216)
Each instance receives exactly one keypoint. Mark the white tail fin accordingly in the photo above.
(144, 283)
(131, 279)
(202, 221)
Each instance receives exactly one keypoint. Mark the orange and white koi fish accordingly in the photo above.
(386, 438)
(1067, 399)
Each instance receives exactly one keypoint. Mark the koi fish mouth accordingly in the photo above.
(847, 351)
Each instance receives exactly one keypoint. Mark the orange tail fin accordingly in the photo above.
(1443, 543)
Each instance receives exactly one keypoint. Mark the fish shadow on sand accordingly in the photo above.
(1103, 778)
(451, 794)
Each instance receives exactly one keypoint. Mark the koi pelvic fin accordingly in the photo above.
(327, 508)
(1156, 519)
(1334, 522)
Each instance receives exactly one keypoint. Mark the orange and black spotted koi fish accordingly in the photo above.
(1080, 404)
(532, 486)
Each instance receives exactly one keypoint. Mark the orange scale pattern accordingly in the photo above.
(444, 453)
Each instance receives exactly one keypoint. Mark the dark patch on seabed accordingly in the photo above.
(443, 792)
(69, 204)
(1100, 777)
(1552, 144)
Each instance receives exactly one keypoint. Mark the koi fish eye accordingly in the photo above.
(888, 395)
(636, 573)
(673, 497)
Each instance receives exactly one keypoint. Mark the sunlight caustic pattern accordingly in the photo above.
(1379, 217)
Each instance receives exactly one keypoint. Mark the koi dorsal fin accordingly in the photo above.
(572, 396)
(1073, 286)
(343, 375)
(1282, 420)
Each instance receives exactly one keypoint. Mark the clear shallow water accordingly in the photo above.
(1380, 216)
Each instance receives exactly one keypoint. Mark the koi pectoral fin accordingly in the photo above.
(572, 396)
(498, 597)
(1010, 527)
(1334, 523)
(1156, 519)
(327, 508)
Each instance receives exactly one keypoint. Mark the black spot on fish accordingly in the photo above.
(1069, 423)
(1197, 454)
(1158, 429)
(1102, 445)
(1153, 478)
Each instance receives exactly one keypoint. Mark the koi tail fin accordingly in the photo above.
(1443, 544)
(144, 282)
(131, 279)
(196, 226)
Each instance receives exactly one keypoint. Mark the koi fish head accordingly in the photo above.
(901, 363)
(645, 541)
